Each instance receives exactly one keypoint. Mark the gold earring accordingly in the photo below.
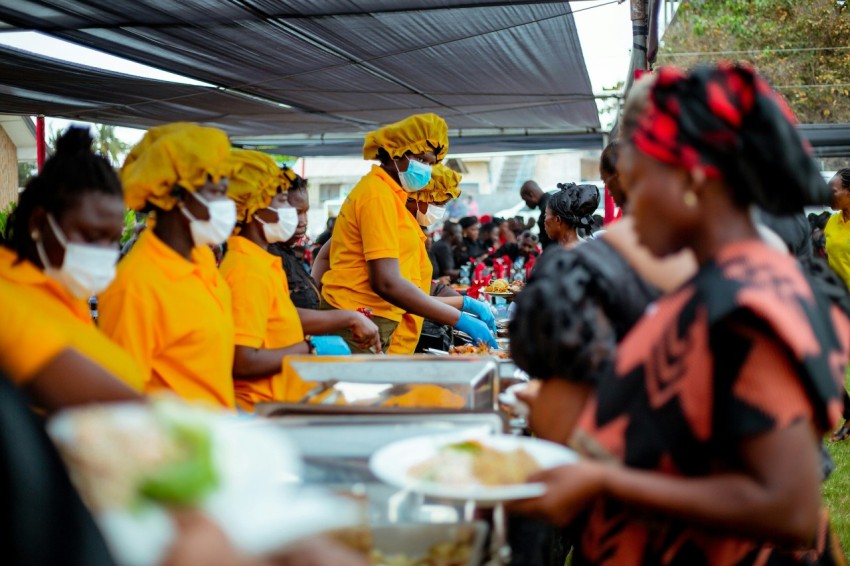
(35, 235)
(690, 199)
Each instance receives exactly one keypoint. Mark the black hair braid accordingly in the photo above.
(559, 329)
(844, 175)
(71, 172)
(575, 205)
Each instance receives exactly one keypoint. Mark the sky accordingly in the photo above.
(604, 30)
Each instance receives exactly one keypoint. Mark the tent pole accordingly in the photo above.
(40, 146)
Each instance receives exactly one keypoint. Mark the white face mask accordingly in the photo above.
(86, 269)
(432, 215)
(218, 228)
(284, 228)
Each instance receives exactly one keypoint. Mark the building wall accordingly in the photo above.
(8, 170)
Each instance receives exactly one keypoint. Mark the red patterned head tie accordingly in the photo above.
(728, 121)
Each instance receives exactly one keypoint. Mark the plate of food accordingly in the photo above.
(481, 468)
(133, 464)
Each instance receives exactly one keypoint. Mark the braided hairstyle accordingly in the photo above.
(575, 205)
(73, 171)
(559, 329)
(844, 176)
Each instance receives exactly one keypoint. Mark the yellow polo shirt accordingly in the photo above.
(837, 234)
(51, 301)
(263, 313)
(406, 335)
(175, 319)
(27, 341)
(373, 223)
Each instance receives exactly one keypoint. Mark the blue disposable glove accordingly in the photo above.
(476, 329)
(330, 346)
(481, 310)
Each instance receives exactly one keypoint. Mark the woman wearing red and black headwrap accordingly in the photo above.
(705, 435)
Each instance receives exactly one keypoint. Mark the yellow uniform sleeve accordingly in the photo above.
(378, 222)
(129, 320)
(27, 343)
(252, 300)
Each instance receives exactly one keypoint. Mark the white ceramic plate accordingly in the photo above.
(392, 464)
(503, 294)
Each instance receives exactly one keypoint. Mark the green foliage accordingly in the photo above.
(129, 224)
(814, 81)
(4, 217)
(25, 171)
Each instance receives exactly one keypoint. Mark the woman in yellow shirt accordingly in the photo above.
(428, 207)
(374, 249)
(169, 307)
(61, 245)
(837, 230)
(268, 325)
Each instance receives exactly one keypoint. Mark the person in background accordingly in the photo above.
(608, 174)
(442, 252)
(470, 247)
(168, 306)
(743, 489)
(376, 244)
(526, 247)
(489, 236)
(837, 230)
(325, 236)
(534, 197)
(794, 231)
(62, 243)
(567, 219)
(268, 325)
(817, 224)
(303, 289)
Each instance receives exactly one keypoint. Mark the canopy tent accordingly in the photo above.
(308, 75)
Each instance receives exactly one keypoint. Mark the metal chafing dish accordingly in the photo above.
(371, 383)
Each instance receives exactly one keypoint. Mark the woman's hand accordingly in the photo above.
(569, 489)
(365, 333)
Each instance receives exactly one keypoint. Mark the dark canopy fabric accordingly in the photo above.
(342, 65)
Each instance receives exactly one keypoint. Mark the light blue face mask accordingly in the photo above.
(417, 176)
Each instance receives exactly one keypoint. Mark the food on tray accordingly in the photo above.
(121, 458)
(516, 286)
(498, 286)
(481, 349)
(473, 463)
(457, 553)
(426, 395)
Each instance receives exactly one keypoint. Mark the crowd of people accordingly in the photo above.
(690, 351)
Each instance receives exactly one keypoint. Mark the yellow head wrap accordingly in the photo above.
(417, 134)
(256, 181)
(180, 154)
(443, 186)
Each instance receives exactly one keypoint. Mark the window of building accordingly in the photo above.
(329, 191)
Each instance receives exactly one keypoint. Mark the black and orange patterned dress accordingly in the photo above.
(744, 348)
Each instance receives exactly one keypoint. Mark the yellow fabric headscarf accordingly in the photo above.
(180, 154)
(255, 183)
(417, 134)
(443, 185)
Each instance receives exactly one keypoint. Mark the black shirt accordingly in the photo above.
(544, 238)
(442, 258)
(469, 249)
(302, 288)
